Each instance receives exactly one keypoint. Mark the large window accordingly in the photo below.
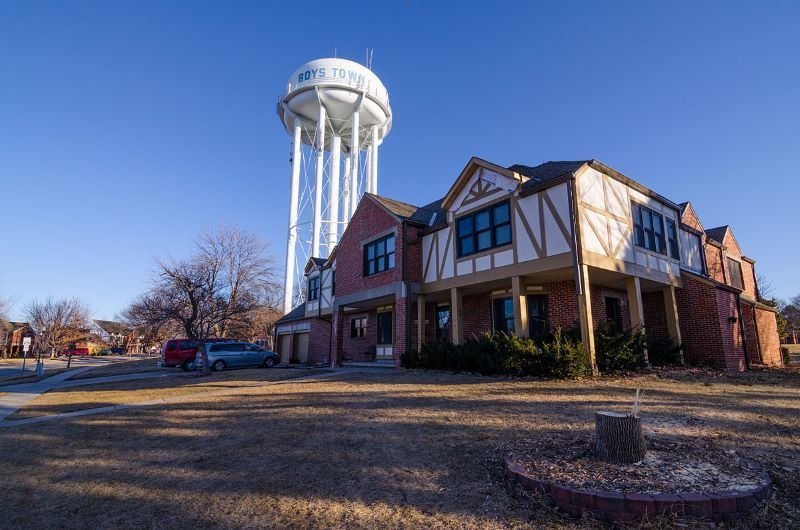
(614, 314)
(379, 255)
(672, 239)
(483, 230)
(735, 270)
(503, 315)
(313, 288)
(443, 323)
(358, 327)
(649, 231)
(537, 317)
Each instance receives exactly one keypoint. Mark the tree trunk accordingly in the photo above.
(204, 355)
(619, 438)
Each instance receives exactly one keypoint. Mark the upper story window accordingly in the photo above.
(379, 255)
(649, 231)
(735, 270)
(484, 229)
(313, 288)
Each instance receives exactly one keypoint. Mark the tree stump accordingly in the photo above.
(619, 438)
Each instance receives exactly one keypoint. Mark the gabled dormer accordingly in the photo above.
(320, 277)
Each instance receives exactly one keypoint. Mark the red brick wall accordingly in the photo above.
(690, 219)
(413, 251)
(358, 348)
(732, 343)
(655, 317)
(749, 276)
(699, 323)
(319, 345)
(401, 328)
(768, 337)
(751, 338)
(562, 305)
(476, 314)
(369, 220)
(714, 262)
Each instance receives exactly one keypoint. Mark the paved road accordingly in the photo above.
(13, 367)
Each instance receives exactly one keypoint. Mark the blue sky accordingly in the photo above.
(126, 128)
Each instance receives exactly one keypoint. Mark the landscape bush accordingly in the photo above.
(619, 351)
(499, 353)
(664, 352)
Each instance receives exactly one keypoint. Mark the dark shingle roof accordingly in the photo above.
(717, 234)
(409, 212)
(297, 313)
(319, 261)
(547, 171)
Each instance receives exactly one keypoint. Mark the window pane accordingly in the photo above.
(500, 214)
(380, 248)
(502, 234)
(482, 221)
(380, 264)
(391, 261)
(647, 221)
(390, 244)
(467, 246)
(484, 240)
(465, 226)
(371, 267)
(370, 251)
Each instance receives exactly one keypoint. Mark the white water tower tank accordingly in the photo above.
(333, 109)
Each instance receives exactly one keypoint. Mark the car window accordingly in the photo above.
(172, 346)
(185, 345)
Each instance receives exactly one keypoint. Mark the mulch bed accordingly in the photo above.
(669, 467)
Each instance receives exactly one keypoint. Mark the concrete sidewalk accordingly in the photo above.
(17, 396)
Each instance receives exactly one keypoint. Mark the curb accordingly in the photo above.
(615, 507)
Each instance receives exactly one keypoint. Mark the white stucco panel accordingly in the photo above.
(483, 263)
(504, 258)
(464, 267)
(446, 252)
(529, 206)
(556, 241)
(591, 188)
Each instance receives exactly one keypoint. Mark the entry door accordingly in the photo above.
(385, 342)
(285, 347)
(300, 347)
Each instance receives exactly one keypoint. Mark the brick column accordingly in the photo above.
(420, 321)
(336, 340)
(671, 311)
(401, 311)
(518, 296)
(456, 316)
(636, 308)
(585, 316)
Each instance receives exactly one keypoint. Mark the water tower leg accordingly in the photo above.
(333, 193)
(374, 160)
(320, 167)
(354, 151)
(288, 293)
(347, 193)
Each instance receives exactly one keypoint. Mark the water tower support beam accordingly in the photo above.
(374, 160)
(347, 193)
(333, 193)
(294, 197)
(320, 167)
(354, 151)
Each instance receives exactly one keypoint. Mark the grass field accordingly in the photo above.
(388, 450)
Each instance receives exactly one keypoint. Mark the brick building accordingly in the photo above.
(526, 250)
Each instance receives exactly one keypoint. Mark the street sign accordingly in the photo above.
(26, 344)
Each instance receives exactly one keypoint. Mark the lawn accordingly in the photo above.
(395, 450)
(179, 383)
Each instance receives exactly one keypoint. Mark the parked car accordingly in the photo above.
(181, 352)
(237, 355)
(118, 351)
(75, 351)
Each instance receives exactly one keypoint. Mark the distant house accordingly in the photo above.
(117, 335)
(11, 335)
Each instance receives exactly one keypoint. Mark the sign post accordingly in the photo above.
(26, 345)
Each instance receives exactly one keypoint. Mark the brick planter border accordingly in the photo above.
(614, 507)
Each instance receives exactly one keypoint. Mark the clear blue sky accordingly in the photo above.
(128, 127)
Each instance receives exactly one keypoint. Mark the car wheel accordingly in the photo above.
(269, 362)
(188, 365)
(218, 366)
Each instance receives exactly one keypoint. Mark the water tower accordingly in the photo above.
(334, 109)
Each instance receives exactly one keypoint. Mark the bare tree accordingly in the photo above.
(58, 323)
(215, 292)
(766, 290)
(5, 326)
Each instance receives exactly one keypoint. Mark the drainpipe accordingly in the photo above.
(742, 331)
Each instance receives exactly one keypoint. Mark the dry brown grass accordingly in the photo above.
(120, 393)
(400, 450)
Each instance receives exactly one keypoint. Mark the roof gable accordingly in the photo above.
(469, 170)
(689, 216)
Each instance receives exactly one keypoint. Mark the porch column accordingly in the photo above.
(420, 320)
(673, 324)
(585, 315)
(456, 326)
(518, 296)
(634, 288)
(336, 340)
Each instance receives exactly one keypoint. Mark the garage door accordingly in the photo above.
(285, 347)
(300, 347)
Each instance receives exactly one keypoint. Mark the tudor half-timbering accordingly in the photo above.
(525, 250)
